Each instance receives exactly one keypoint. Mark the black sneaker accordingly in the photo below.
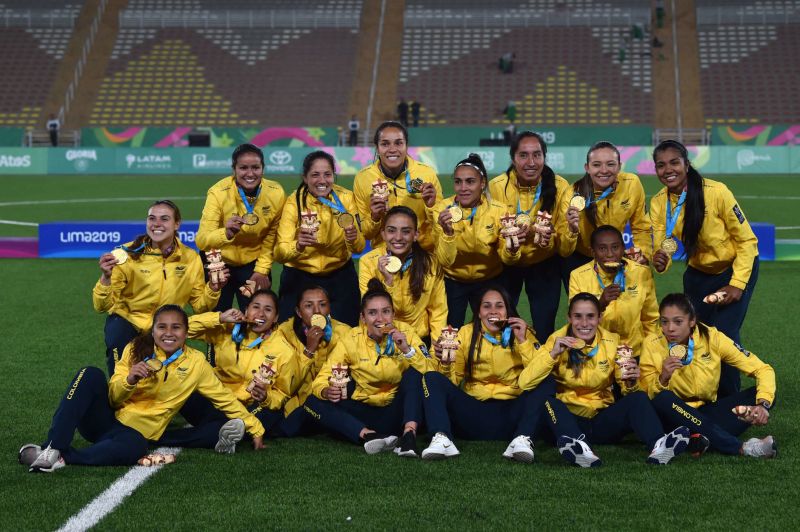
(698, 445)
(408, 445)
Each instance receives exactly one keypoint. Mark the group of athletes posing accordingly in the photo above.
(312, 358)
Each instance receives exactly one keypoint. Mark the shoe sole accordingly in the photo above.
(579, 460)
(383, 444)
(526, 458)
(229, 435)
(55, 467)
(405, 454)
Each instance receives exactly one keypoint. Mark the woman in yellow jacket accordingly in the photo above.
(586, 361)
(311, 344)
(317, 236)
(406, 181)
(476, 397)
(409, 273)
(469, 243)
(719, 244)
(370, 391)
(527, 188)
(624, 288)
(611, 197)
(244, 345)
(156, 376)
(681, 372)
(153, 270)
(240, 218)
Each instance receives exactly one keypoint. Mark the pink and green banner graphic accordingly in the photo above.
(220, 137)
(756, 135)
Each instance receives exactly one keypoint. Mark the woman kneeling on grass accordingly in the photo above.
(249, 362)
(584, 359)
(152, 381)
(681, 371)
(476, 397)
(385, 360)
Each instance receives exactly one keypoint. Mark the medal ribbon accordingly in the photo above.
(129, 250)
(238, 337)
(619, 278)
(388, 351)
(606, 193)
(336, 205)
(168, 361)
(244, 199)
(535, 200)
(576, 356)
(505, 337)
(672, 218)
(689, 352)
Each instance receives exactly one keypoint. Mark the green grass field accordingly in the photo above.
(50, 330)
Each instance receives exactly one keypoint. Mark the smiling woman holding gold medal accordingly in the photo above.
(317, 236)
(681, 372)
(152, 381)
(409, 273)
(153, 270)
(240, 218)
(720, 246)
(475, 237)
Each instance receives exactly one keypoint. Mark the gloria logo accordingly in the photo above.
(81, 158)
(745, 158)
(280, 157)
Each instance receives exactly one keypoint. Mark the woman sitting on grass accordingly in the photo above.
(681, 372)
(370, 389)
(585, 361)
(152, 381)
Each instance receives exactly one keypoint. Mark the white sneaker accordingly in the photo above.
(763, 448)
(520, 449)
(230, 434)
(28, 454)
(669, 446)
(48, 461)
(440, 447)
(575, 451)
(379, 443)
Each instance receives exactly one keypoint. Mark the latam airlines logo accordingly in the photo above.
(149, 162)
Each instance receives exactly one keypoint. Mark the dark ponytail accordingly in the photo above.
(585, 187)
(548, 196)
(694, 209)
(302, 188)
(422, 263)
(375, 289)
(475, 343)
(144, 344)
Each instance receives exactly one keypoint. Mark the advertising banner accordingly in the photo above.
(15, 161)
(89, 240)
(756, 135)
(219, 137)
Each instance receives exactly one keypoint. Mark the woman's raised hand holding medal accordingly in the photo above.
(233, 225)
(137, 372)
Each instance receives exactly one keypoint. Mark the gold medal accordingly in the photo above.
(416, 185)
(154, 364)
(669, 246)
(614, 265)
(523, 219)
(345, 220)
(120, 254)
(578, 201)
(678, 351)
(250, 218)
(394, 264)
(456, 214)
(318, 320)
(577, 343)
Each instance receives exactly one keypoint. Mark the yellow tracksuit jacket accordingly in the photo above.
(428, 315)
(309, 367)
(625, 204)
(698, 382)
(588, 393)
(234, 367)
(252, 242)
(150, 404)
(139, 287)
(726, 238)
(495, 369)
(504, 189)
(634, 314)
(476, 251)
(333, 250)
(398, 195)
(377, 378)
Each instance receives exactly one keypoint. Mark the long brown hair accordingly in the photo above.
(144, 344)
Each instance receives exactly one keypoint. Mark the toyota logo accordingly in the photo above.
(280, 157)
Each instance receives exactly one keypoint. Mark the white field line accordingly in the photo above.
(93, 200)
(15, 222)
(113, 496)
(787, 227)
